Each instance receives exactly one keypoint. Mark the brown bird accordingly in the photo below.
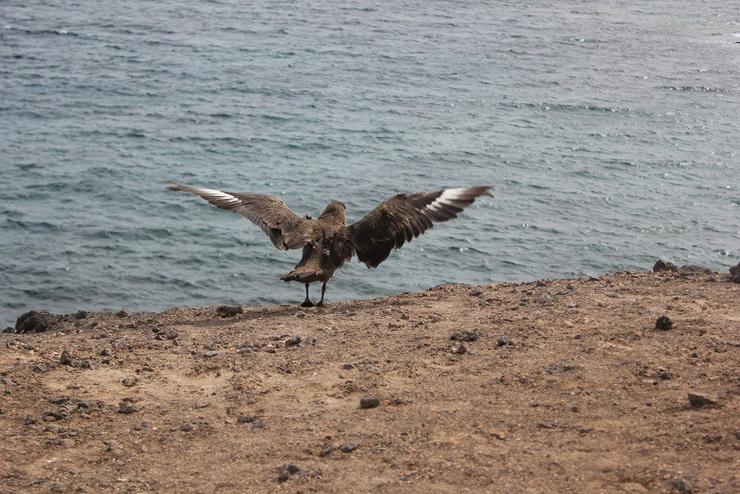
(328, 242)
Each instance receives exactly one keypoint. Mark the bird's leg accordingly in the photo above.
(307, 302)
(323, 289)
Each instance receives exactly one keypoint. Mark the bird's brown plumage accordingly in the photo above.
(328, 242)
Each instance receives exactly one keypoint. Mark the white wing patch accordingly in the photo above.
(450, 197)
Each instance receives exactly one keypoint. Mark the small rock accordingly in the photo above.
(661, 266)
(679, 486)
(130, 382)
(664, 374)
(81, 314)
(35, 322)
(127, 407)
(459, 349)
(65, 358)
(502, 341)
(53, 428)
(325, 451)
(29, 420)
(294, 341)
(210, 353)
(228, 310)
(698, 400)
(349, 447)
(187, 428)
(735, 273)
(369, 402)
(122, 313)
(300, 314)
(105, 352)
(693, 269)
(246, 419)
(464, 336)
(348, 366)
(286, 471)
(58, 487)
(663, 323)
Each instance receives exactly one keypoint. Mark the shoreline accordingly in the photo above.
(555, 385)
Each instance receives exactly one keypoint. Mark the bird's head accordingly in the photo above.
(334, 211)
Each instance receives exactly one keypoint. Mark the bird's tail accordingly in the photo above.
(291, 276)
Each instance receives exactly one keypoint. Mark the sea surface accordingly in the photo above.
(611, 130)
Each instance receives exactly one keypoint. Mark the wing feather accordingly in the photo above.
(404, 217)
(285, 229)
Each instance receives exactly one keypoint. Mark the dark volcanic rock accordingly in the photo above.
(35, 321)
(679, 486)
(349, 447)
(663, 323)
(65, 358)
(735, 273)
(661, 266)
(369, 402)
(692, 269)
(459, 349)
(286, 471)
(228, 310)
(464, 336)
(698, 400)
(293, 341)
(246, 419)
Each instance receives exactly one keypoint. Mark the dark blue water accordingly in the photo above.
(610, 129)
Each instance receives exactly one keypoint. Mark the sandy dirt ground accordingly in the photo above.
(553, 386)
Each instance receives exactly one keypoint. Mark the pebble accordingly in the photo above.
(369, 402)
(286, 471)
(459, 349)
(698, 400)
(661, 265)
(65, 358)
(325, 451)
(348, 447)
(502, 341)
(228, 311)
(294, 341)
(130, 381)
(81, 314)
(57, 487)
(735, 273)
(663, 323)
(210, 353)
(246, 419)
(464, 336)
(122, 313)
(54, 428)
(680, 486)
(127, 406)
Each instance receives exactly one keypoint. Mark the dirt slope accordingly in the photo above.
(567, 388)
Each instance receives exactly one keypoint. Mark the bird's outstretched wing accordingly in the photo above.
(406, 216)
(286, 229)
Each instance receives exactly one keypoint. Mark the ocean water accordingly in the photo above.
(610, 129)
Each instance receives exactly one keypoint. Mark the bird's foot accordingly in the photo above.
(320, 304)
(307, 303)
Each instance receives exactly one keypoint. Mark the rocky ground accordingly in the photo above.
(556, 386)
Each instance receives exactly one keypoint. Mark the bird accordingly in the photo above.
(328, 241)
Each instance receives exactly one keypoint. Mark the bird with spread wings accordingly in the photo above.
(328, 242)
